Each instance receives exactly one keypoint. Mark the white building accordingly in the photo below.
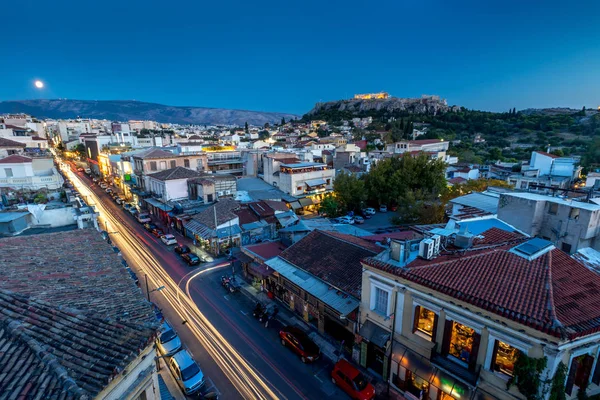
(21, 172)
(170, 184)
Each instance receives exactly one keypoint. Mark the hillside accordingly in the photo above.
(124, 110)
(389, 106)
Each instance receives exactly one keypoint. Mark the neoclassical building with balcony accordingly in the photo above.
(453, 326)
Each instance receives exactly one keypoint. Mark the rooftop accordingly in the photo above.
(4, 142)
(552, 293)
(547, 154)
(224, 213)
(75, 269)
(303, 165)
(174, 173)
(332, 257)
(155, 152)
(266, 250)
(71, 317)
(15, 159)
(558, 200)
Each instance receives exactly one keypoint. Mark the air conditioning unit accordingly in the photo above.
(436, 244)
(426, 248)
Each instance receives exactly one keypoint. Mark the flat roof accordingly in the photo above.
(557, 200)
(304, 165)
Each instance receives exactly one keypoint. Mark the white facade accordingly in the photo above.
(173, 189)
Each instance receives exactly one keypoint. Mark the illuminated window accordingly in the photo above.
(504, 358)
(463, 342)
(425, 321)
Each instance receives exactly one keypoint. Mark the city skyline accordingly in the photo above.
(286, 58)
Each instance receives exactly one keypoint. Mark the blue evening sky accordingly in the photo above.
(286, 55)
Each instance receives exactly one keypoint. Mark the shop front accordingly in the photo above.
(373, 344)
(418, 378)
(159, 209)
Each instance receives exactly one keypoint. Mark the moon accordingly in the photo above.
(39, 84)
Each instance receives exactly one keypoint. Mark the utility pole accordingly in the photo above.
(147, 289)
(389, 366)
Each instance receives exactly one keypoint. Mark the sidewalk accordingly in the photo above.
(169, 390)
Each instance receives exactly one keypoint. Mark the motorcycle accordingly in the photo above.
(269, 312)
(230, 283)
(271, 315)
(258, 310)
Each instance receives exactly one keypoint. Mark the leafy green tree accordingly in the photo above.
(262, 135)
(80, 150)
(330, 206)
(282, 121)
(350, 191)
(495, 154)
(246, 127)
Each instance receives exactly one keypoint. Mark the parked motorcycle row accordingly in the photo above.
(230, 283)
(265, 313)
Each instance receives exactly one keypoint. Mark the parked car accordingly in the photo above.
(157, 232)
(103, 185)
(394, 208)
(352, 381)
(108, 190)
(181, 249)
(369, 211)
(346, 220)
(95, 180)
(299, 342)
(126, 206)
(359, 220)
(143, 218)
(80, 169)
(168, 239)
(149, 226)
(88, 171)
(187, 373)
(168, 343)
(191, 258)
(119, 200)
(383, 208)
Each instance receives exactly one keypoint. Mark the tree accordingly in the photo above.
(330, 206)
(80, 150)
(495, 154)
(282, 121)
(246, 127)
(262, 135)
(557, 152)
(349, 191)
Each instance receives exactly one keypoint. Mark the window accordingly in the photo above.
(463, 344)
(381, 301)
(328, 181)
(566, 247)
(574, 213)
(580, 372)
(299, 188)
(504, 358)
(163, 165)
(8, 172)
(152, 165)
(173, 163)
(553, 208)
(186, 163)
(425, 321)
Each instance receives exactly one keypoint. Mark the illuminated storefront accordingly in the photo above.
(419, 379)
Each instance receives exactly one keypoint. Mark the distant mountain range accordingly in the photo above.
(124, 110)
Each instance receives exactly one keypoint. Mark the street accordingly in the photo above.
(241, 357)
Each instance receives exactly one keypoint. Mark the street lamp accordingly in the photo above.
(148, 291)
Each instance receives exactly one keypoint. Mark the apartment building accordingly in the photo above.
(225, 162)
(451, 322)
(570, 225)
(434, 146)
(155, 160)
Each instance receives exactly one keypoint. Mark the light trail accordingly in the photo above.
(241, 374)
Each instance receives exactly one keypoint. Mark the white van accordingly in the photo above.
(143, 218)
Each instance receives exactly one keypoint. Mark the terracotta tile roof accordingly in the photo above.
(174, 173)
(467, 212)
(553, 293)
(277, 205)
(424, 141)
(547, 154)
(332, 257)
(246, 216)
(4, 142)
(225, 212)
(55, 352)
(261, 209)
(266, 250)
(71, 317)
(75, 269)
(155, 152)
(15, 159)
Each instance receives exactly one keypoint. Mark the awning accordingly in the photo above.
(295, 205)
(422, 367)
(305, 202)
(315, 182)
(158, 204)
(375, 334)
(259, 270)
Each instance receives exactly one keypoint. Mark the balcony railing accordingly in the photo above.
(33, 182)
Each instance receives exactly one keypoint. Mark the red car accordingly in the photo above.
(352, 381)
(300, 343)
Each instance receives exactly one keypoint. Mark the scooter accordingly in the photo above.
(258, 310)
(271, 315)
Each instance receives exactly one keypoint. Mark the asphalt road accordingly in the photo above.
(240, 356)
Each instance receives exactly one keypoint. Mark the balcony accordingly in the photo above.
(33, 182)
